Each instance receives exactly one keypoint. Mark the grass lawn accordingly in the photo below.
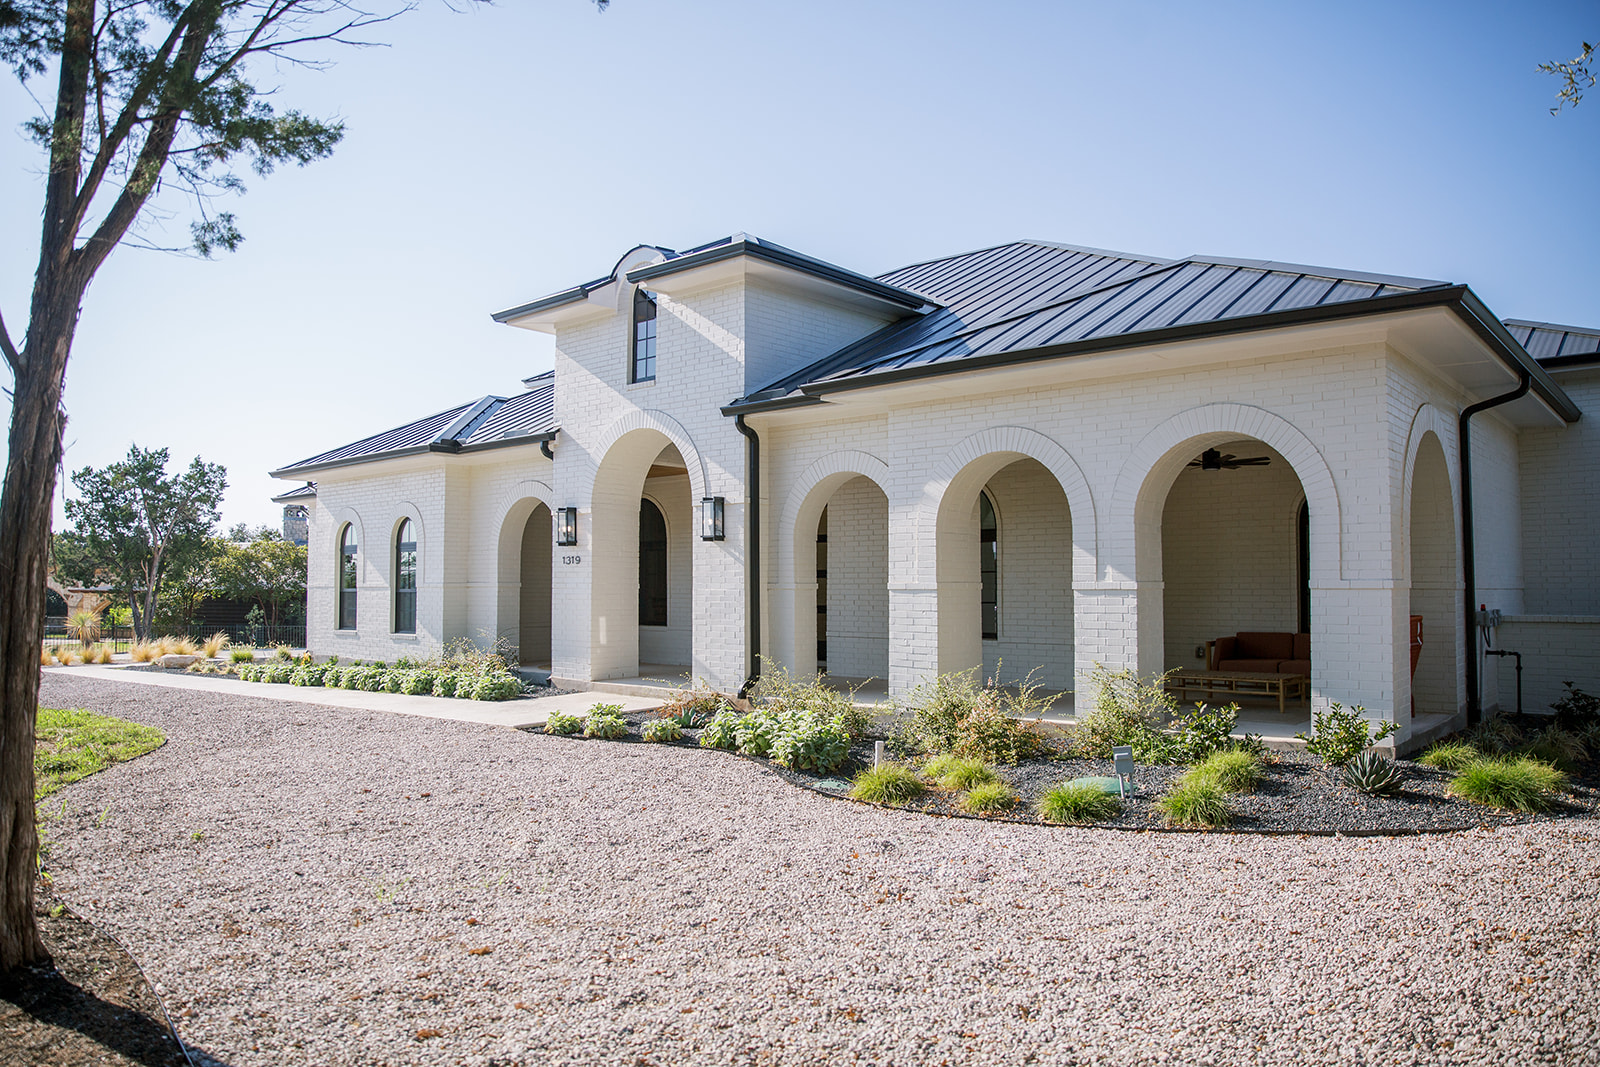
(72, 743)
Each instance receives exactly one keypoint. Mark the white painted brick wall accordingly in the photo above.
(858, 581)
(1034, 526)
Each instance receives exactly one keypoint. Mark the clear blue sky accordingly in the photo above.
(502, 154)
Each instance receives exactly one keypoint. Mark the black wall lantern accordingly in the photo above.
(711, 528)
(566, 526)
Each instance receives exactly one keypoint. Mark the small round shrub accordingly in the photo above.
(278, 672)
(721, 732)
(953, 772)
(496, 687)
(250, 673)
(607, 726)
(987, 797)
(811, 743)
(242, 655)
(756, 732)
(1196, 802)
(1078, 803)
(1449, 755)
(445, 685)
(1516, 784)
(562, 724)
(419, 683)
(887, 783)
(1234, 770)
(662, 730)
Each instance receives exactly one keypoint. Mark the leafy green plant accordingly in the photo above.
(605, 721)
(1235, 771)
(662, 730)
(953, 772)
(1078, 803)
(811, 742)
(1371, 773)
(777, 693)
(563, 724)
(755, 732)
(1449, 755)
(313, 675)
(497, 687)
(1339, 736)
(250, 673)
(953, 713)
(887, 783)
(445, 684)
(1196, 802)
(277, 673)
(1576, 710)
(242, 655)
(988, 797)
(1128, 710)
(1517, 784)
(1204, 731)
(722, 731)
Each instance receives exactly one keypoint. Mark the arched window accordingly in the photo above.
(644, 337)
(347, 577)
(989, 566)
(652, 565)
(405, 578)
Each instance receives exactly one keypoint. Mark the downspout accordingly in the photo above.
(753, 550)
(544, 446)
(1469, 570)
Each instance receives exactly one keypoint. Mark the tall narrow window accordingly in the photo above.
(644, 337)
(822, 591)
(989, 566)
(1303, 524)
(405, 579)
(652, 565)
(347, 577)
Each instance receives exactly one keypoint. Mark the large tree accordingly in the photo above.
(260, 565)
(135, 524)
(149, 95)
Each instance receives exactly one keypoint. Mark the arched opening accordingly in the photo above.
(1005, 557)
(1436, 687)
(642, 520)
(852, 574)
(1235, 575)
(533, 589)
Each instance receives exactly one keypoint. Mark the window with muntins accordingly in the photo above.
(405, 579)
(989, 566)
(644, 337)
(347, 577)
(652, 565)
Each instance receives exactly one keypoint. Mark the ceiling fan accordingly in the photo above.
(1212, 460)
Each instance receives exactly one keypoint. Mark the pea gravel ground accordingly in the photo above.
(310, 885)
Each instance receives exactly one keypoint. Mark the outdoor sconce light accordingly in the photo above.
(711, 529)
(566, 526)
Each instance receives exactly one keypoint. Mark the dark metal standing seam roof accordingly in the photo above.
(484, 423)
(1546, 340)
(1030, 295)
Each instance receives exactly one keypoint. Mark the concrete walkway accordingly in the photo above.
(522, 712)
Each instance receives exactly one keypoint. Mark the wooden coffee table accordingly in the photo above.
(1211, 683)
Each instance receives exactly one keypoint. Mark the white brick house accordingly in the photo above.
(993, 458)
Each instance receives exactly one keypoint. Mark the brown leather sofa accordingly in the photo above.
(1256, 652)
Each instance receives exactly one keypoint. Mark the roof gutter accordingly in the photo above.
(1457, 298)
(1469, 569)
(783, 258)
(438, 447)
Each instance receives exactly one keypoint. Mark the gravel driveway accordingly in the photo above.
(310, 885)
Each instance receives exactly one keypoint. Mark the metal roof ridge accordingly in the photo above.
(484, 406)
(1109, 253)
(746, 244)
(1330, 273)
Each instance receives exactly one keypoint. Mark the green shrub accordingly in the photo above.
(1233, 770)
(562, 724)
(1205, 731)
(278, 672)
(445, 684)
(249, 673)
(953, 772)
(242, 655)
(986, 797)
(1339, 736)
(662, 730)
(1560, 748)
(777, 694)
(420, 682)
(497, 687)
(375, 679)
(1196, 802)
(1373, 774)
(1078, 803)
(307, 675)
(953, 713)
(1127, 711)
(990, 734)
(1576, 710)
(604, 722)
(810, 742)
(1449, 755)
(1517, 784)
(755, 732)
(722, 731)
(887, 783)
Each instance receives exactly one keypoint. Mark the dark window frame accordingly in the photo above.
(349, 576)
(642, 351)
(988, 567)
(405, 578)
(654, 585)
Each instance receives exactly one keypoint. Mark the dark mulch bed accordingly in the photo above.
(90, 1004)
(1297, 796)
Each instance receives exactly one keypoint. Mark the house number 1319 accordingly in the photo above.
(571, 559)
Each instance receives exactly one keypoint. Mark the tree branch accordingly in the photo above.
(13, 358)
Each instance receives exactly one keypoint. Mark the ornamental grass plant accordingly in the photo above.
(1234, 771)
(1198, 802)
(1449, 755)
(954, 773)
(986, 798)
(887, 783)
(1515, 784)
(1078, 802)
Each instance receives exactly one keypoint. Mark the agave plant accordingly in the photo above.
(1372, 773)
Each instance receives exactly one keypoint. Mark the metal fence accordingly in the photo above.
(242, 635)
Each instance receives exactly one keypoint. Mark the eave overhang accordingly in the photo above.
(448, 448)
